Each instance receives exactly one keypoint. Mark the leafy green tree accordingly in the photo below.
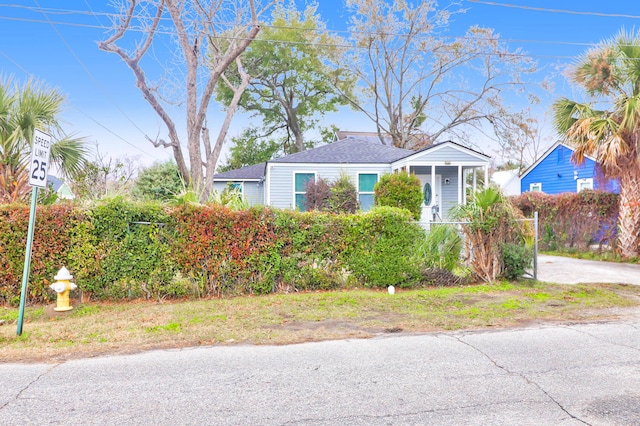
(608, 127)
(399, 190)
(23, 108)
(248, 149)
(295, 75)
(161, 182)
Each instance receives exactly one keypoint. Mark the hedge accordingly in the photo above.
(119, 249)
(571, 220)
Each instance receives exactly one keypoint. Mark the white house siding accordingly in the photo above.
(253, 191)
(281, 177)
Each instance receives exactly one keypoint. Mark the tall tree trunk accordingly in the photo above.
(629, 211)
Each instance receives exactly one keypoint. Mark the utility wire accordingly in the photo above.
(350, 46)
(101, 87)
(319, 30)
(544, 9)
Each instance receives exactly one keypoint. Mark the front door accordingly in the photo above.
(431, 198)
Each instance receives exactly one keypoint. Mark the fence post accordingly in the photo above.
(535, 246)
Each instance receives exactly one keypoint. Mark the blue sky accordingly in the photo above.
(105, 106)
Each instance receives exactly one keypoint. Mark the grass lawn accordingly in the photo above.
(93, 329)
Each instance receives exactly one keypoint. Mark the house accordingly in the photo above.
(508, 181)
(60, 188)
(554, 173)
(442, 168)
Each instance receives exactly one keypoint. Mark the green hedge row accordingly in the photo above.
(119, 249)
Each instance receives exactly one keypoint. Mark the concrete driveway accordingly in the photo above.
(565, 270)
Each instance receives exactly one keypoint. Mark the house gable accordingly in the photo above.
(445, 153)
(555, 173)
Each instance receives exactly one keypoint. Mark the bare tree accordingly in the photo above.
(104, 176)
(210, 35)
(521, 139)
(426, 85)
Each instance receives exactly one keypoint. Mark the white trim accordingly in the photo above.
(584, 180)
(482, 159)
(486, 176)
(462, 185)
(532, 185)
(343, 165)
(267, 185)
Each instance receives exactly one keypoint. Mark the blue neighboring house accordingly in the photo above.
(555, 173)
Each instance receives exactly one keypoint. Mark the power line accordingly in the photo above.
(141, 29)
(544, 9)
(340, 45)
(84, 67)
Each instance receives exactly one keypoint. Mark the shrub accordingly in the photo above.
(441, 248)
(318, 194)
(400, 190)
(120, 249)
(335, 197)
(54, 230)
(344, 197)
(379, 245)
(161, 181)
(517, 258)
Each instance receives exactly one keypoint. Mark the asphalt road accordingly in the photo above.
(565, 270)
(548, 375)
(579, 374)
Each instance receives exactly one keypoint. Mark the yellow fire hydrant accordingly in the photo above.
(63, 286)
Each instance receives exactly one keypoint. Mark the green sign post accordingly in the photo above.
(38, 170)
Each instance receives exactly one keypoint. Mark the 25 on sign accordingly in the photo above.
(39, 158)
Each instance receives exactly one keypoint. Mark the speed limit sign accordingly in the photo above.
(39, 165)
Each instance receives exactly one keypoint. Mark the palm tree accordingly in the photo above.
(490, 222)
(22, 109)
(608, 127)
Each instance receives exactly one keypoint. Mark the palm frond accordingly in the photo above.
(71, 155)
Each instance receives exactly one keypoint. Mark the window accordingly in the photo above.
(300, 189)
(236, 186)
(535, 187)
(366, 182)
(584, 184)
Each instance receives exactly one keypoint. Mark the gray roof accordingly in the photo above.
(366, 136)
(55, 182)
(348, 151)
(249, 172)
